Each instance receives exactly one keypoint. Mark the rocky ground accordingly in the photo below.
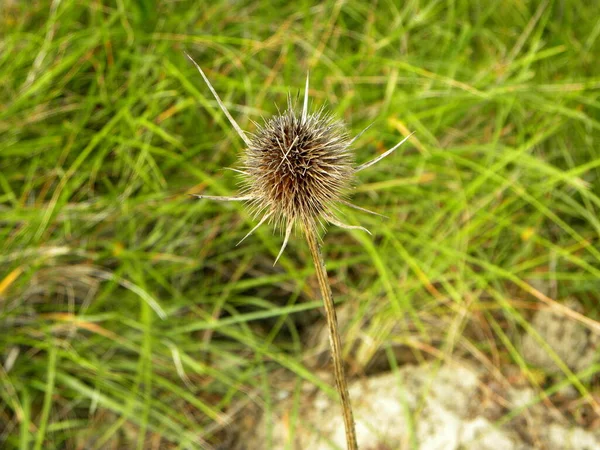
(451, 405)
(445, 408)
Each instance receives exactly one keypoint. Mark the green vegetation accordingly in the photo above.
(128, 316)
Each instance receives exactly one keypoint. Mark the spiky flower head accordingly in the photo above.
(297, 167)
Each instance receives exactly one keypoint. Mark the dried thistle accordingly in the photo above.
(296, 168)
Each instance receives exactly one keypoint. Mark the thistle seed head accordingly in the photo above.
(297, 166)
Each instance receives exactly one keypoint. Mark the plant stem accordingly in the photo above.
(334, 336)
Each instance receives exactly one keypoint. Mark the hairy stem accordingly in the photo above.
(334, 336)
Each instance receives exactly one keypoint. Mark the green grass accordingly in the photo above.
(129, 318)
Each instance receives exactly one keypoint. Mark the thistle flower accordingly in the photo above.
(296, 169)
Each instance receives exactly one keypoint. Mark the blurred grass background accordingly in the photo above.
(129, 318)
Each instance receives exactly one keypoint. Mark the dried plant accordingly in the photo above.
(296, 168)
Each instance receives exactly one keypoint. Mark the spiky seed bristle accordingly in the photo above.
(297, 166)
